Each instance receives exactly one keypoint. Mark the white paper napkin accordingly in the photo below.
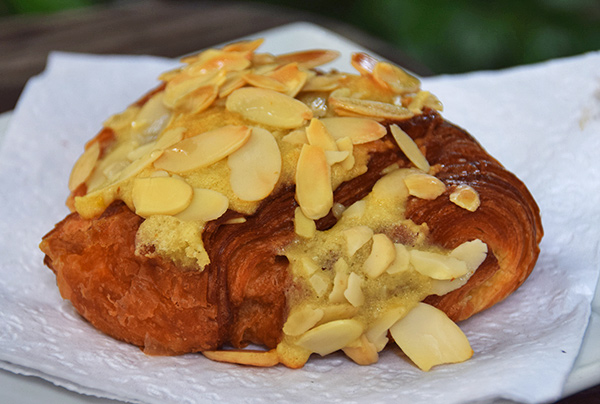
(541, 121)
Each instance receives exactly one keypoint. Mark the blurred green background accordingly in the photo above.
(446, 36)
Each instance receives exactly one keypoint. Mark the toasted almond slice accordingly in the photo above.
(409, 148)
(437, 266)
(378, 330)
(266, 82)
(334, 157)
(391, 186)
(303, 226)
(429, 338)
(255, 167)
(362, 351)
(359, 130)
(473, 253)
(204, 149)
(169, 138)
(160, 196)
(465, 197)
(340, 282)
(313, 182)
(330, 337)
(333, 312)
(153, 117)
(137, 166)
(320, 283)
(268, 107)
(353, 292)
(297, 136)
(356, 237)
(233, 81)
(261, 59)
(245, 357)
(309, 59)
(369, 108)
(301, 320)
(244, 46)
(383, 253)
(206, 205)
(424, 99)
(402, 260)
(291, 76)
(219, 60)
(322, 83)
(424, 186)
(365, 64)
(131, 156)
(318, 135)
(345, 144)
(356, 211)
(178, 89)
(198, 100)
(395, 79)
(84, 166)
(306, 267)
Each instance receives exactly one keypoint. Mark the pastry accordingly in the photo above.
(255, 199)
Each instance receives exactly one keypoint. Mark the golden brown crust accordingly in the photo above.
(240, 297)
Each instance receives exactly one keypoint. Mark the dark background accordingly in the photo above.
(446, 36)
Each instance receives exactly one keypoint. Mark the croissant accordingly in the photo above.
(253, 199)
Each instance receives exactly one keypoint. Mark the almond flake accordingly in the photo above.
(322, 83)
(219, 60)
(395, 79)
(233, 81)
(353, 292)
(318, 135)
(383, 253)
(356, 237)
(334, 157)
(465, 197)
(255, 167)
(345, 144)
(244, 46)
(313, 182)
(303, 226)
(178, 89)
(84, 166)
(368, 108)
(309, 59)
(206, 205)
(365, 64)
(204, 149)
(266, 82)
(302, 320)
(340, 281)
(268, 107)
(297, 136)
(160, 196)
(424, 186)
(424, 99)
(291, 76)
(330, 337)
(198, 100)
(362, 351)
(437, 266)
(409, 148)
(359, 130)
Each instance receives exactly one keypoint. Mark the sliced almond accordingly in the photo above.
(233, 81)
(204, 149)
(378, 331)
(383, 253)
(345, 144)
(359, 130)
(353, 292)
(424, 99)
(153, 116)
(318, 135)
(306, 267)
(303, 226)
(334, 157)
(365, 64)
(333, 312)
(356, 211)
(199, 99)
(268, 107)
(330, 337)
(465, 197)
(266, 82)
(340, 282)
(291, 76)
(424, 186)
(437, 266)
(301, 320)
(362, 351)
(310, 58)
(297, 136)
(322, 83)
(320, 283)
(391, 186)
(313, 182)
(395, 79)
(244, 357)
(473, 253)
(176, 90)
(347, 106)
(160, 196)
(206, 205)
(255, 167)
(169, 138)
(409, 148)
(401, 262)
(356, 237)
(429, 338)
(244, 46)
(84, 166)
(218, 60)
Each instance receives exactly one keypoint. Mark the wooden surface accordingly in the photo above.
(160, 28)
